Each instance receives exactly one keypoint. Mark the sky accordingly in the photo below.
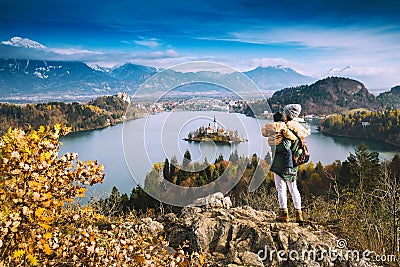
(358, 39)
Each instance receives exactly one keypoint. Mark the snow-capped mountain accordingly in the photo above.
(28, 77)
(23, 76)
(339, 71)
(99, 68)
(23, 42)
(277, 77)
(377, 79)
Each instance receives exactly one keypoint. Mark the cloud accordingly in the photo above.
(73, 51)
(170, 53)
(250, 64)
(361, 71)
(372, 77)
(314, 37)
(161, 58)
(381, 42)
(151, 42)
(265, 62)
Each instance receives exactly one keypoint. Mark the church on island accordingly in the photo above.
(214, 134)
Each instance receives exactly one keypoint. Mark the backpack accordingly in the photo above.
(300, 153)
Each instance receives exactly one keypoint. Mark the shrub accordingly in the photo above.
(35, 183)
(39, 227)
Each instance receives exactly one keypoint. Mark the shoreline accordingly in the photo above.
(107, 126)
(363, 137)
(210, 139)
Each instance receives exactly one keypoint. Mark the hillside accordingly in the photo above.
(330, 95)
(21, 77)
(30, 77)
(377, 125)
(391, 98)
(98, 113)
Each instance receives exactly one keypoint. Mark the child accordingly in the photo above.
(280, 137)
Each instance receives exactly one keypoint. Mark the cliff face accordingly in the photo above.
(243, 236)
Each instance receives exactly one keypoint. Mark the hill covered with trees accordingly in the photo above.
(391, 98)
(380, 125)
(330, 95)
(98, 113)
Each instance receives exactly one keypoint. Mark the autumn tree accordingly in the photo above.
(35, 183)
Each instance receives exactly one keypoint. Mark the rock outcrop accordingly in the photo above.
(243, 236)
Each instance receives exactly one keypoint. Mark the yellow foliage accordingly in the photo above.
(81, 192)
(18, 253)
(32, 260)
(212, 168)
(34, 186)
(38, 230)
(47, 249)
(48, 235)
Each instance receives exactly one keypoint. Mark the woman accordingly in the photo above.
(284, 180)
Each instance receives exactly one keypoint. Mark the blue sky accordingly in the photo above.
(315, 37)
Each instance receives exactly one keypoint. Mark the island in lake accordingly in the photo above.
(214, 134)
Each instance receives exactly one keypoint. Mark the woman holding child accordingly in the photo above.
(282, 133)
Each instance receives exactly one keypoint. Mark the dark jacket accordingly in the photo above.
(278, 166)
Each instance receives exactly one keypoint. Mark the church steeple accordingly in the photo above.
(215, 125)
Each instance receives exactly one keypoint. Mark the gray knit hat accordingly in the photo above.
(292, 110)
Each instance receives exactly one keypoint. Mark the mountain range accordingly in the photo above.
(32, 77)
(29, 75)
(24, 77)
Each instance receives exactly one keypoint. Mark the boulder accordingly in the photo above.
(150, 227)
(216, 200)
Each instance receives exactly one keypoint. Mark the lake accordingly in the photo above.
(149, 140)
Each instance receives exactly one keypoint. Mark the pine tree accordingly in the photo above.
(234, 157)
(187, 158)
(219, 159)
(364, 166)
(166, 170)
